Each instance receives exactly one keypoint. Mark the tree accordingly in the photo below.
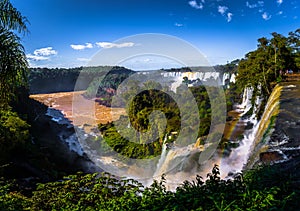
(13, 69)
(294, 42)
(261, 67)
(11, 18)
(282, 53)
(13, 63)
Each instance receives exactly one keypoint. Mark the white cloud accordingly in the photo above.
(279, 2)
(48, 51)
(82, 47)
(261, 3)
(42, 54)
(258, 4)
(229, 17)
(251, 6)
(280, 13)
(114, 45)
(222, 9)
(195, 5)
(178, 24)
(36, 58)
(266, 16)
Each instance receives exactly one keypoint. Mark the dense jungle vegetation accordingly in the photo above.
(261, 189)
(264, 188)
(140, 109)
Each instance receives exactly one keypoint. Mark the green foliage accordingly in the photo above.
(95, 80)
(13, 133)
(13, 66)
(13, 63)
(125, 147)
(105, 85)
(11, 18)
(83, 192)
(146, 102)
(231, 67)
(294, 40)
(10, 197)
(254, 191)
(140, 109)
(263, 66)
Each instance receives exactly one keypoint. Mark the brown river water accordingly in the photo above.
(69, 102)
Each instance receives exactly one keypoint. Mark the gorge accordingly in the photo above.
(253, 148)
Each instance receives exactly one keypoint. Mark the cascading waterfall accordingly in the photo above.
(226, 76)
(246, 104)
(71, 139)
(162, 159)
(178, 77)
(271, 109)
(180, 164)
(232, 78)
(246, 153)
(238, 157)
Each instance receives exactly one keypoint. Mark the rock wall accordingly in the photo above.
(279, 142)
(48, 138)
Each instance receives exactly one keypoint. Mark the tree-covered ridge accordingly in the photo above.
(267, 64)
(146, 139)
(49, 80)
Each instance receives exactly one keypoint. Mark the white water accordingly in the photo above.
(72, 140)
(239, 157)
(178, 77)
(73, 144)
(180, 164)
(232, 78)
(161, 161)
(246, 104)
(226, 76)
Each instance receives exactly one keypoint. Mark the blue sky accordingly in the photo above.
(67, 33)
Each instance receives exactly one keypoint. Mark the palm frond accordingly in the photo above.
(11, 18)
(13, 65)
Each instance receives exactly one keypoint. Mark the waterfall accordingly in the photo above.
(193, 76)
(179, 164)
(238, 157)
(225, 77)
(162, 159)
(246, 103)
(247, 153)
(65, 136)
(261, 134)
(232, 78)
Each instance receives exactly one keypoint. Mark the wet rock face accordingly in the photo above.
(269, 157)
(249, 126)
(284, 143)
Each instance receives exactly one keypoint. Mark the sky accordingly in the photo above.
(68, 33)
